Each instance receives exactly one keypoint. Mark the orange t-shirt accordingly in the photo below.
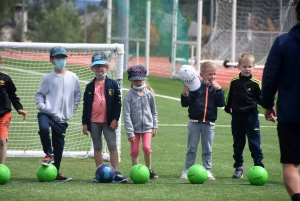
(99, 111)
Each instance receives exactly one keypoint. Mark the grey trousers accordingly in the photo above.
(207, 133)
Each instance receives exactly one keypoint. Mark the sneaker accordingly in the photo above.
(47, 160)
(210, 175)
(119, 178)
(184, 174)
(238, 173)
(95, 180)
(152, 174)
(61, 177)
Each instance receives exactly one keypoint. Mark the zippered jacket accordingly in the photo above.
(113, 101)
(59, 96)
(8, 95)
(140, 115)
(243, 95)
(203, 103)
(282, 74)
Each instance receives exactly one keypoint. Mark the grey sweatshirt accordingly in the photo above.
(140, 115)
(59, 96)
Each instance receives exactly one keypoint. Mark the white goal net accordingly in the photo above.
(258, 23)
(27, 63)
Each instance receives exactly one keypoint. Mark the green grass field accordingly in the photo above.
(169, 148)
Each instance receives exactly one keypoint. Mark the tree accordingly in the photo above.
(60, 24)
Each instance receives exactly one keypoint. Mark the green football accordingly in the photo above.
(4, 174)
(139, 174)
(46, 173)
(197, 174)
(257, 175)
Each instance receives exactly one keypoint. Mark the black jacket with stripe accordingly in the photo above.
(203, 103)
(243, 95)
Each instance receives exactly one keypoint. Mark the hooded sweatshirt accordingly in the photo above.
(140, 115)
(59, 95)
(282, 74)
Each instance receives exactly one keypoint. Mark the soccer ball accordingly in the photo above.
(46, 173)
(197, 174)
(139, 174)
(105, 173)
(4, 174)
(257, 175)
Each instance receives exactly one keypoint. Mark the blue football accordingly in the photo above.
(105, 173)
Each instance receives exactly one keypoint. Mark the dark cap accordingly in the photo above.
(58, 50)
(99, 58)
(137, 73)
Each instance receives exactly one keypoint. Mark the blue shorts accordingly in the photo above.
(109, 134)
(289, 143)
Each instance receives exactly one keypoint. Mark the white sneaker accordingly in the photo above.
(184, 174)
(210, 176)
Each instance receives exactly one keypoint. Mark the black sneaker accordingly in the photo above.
(61, 177)
(120, 178)
(48, 159)
(152, 174)
(238, 173)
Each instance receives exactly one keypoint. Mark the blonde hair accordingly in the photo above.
(147, 85)
(207, 65)
(244, 57)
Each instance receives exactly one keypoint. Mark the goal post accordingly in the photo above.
(27, 63)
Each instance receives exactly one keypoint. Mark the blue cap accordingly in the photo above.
(98, 58)
(137, 73)
(58, 50)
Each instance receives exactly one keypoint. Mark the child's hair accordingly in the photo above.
(245, 56)
(147, 85)
(207, 65)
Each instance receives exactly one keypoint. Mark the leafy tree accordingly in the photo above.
(60, 24)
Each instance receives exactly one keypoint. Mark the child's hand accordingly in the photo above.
(84, 129)
(154, 132)
(24, 113)
(216, 85)
(131, 139)
(114, 125)
(185, 90)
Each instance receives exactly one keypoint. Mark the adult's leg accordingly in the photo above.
(291, 178)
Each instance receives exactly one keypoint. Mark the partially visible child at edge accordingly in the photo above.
(57, 99)
(241, 102)
(202, 97)
(140, 116)
(101, 112)
(8, 96)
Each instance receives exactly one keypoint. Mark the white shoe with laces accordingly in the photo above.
(184, 174)
(210, 176)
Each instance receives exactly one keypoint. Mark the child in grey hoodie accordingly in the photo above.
(140, 116)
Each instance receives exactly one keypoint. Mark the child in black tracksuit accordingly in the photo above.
(241, 102)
